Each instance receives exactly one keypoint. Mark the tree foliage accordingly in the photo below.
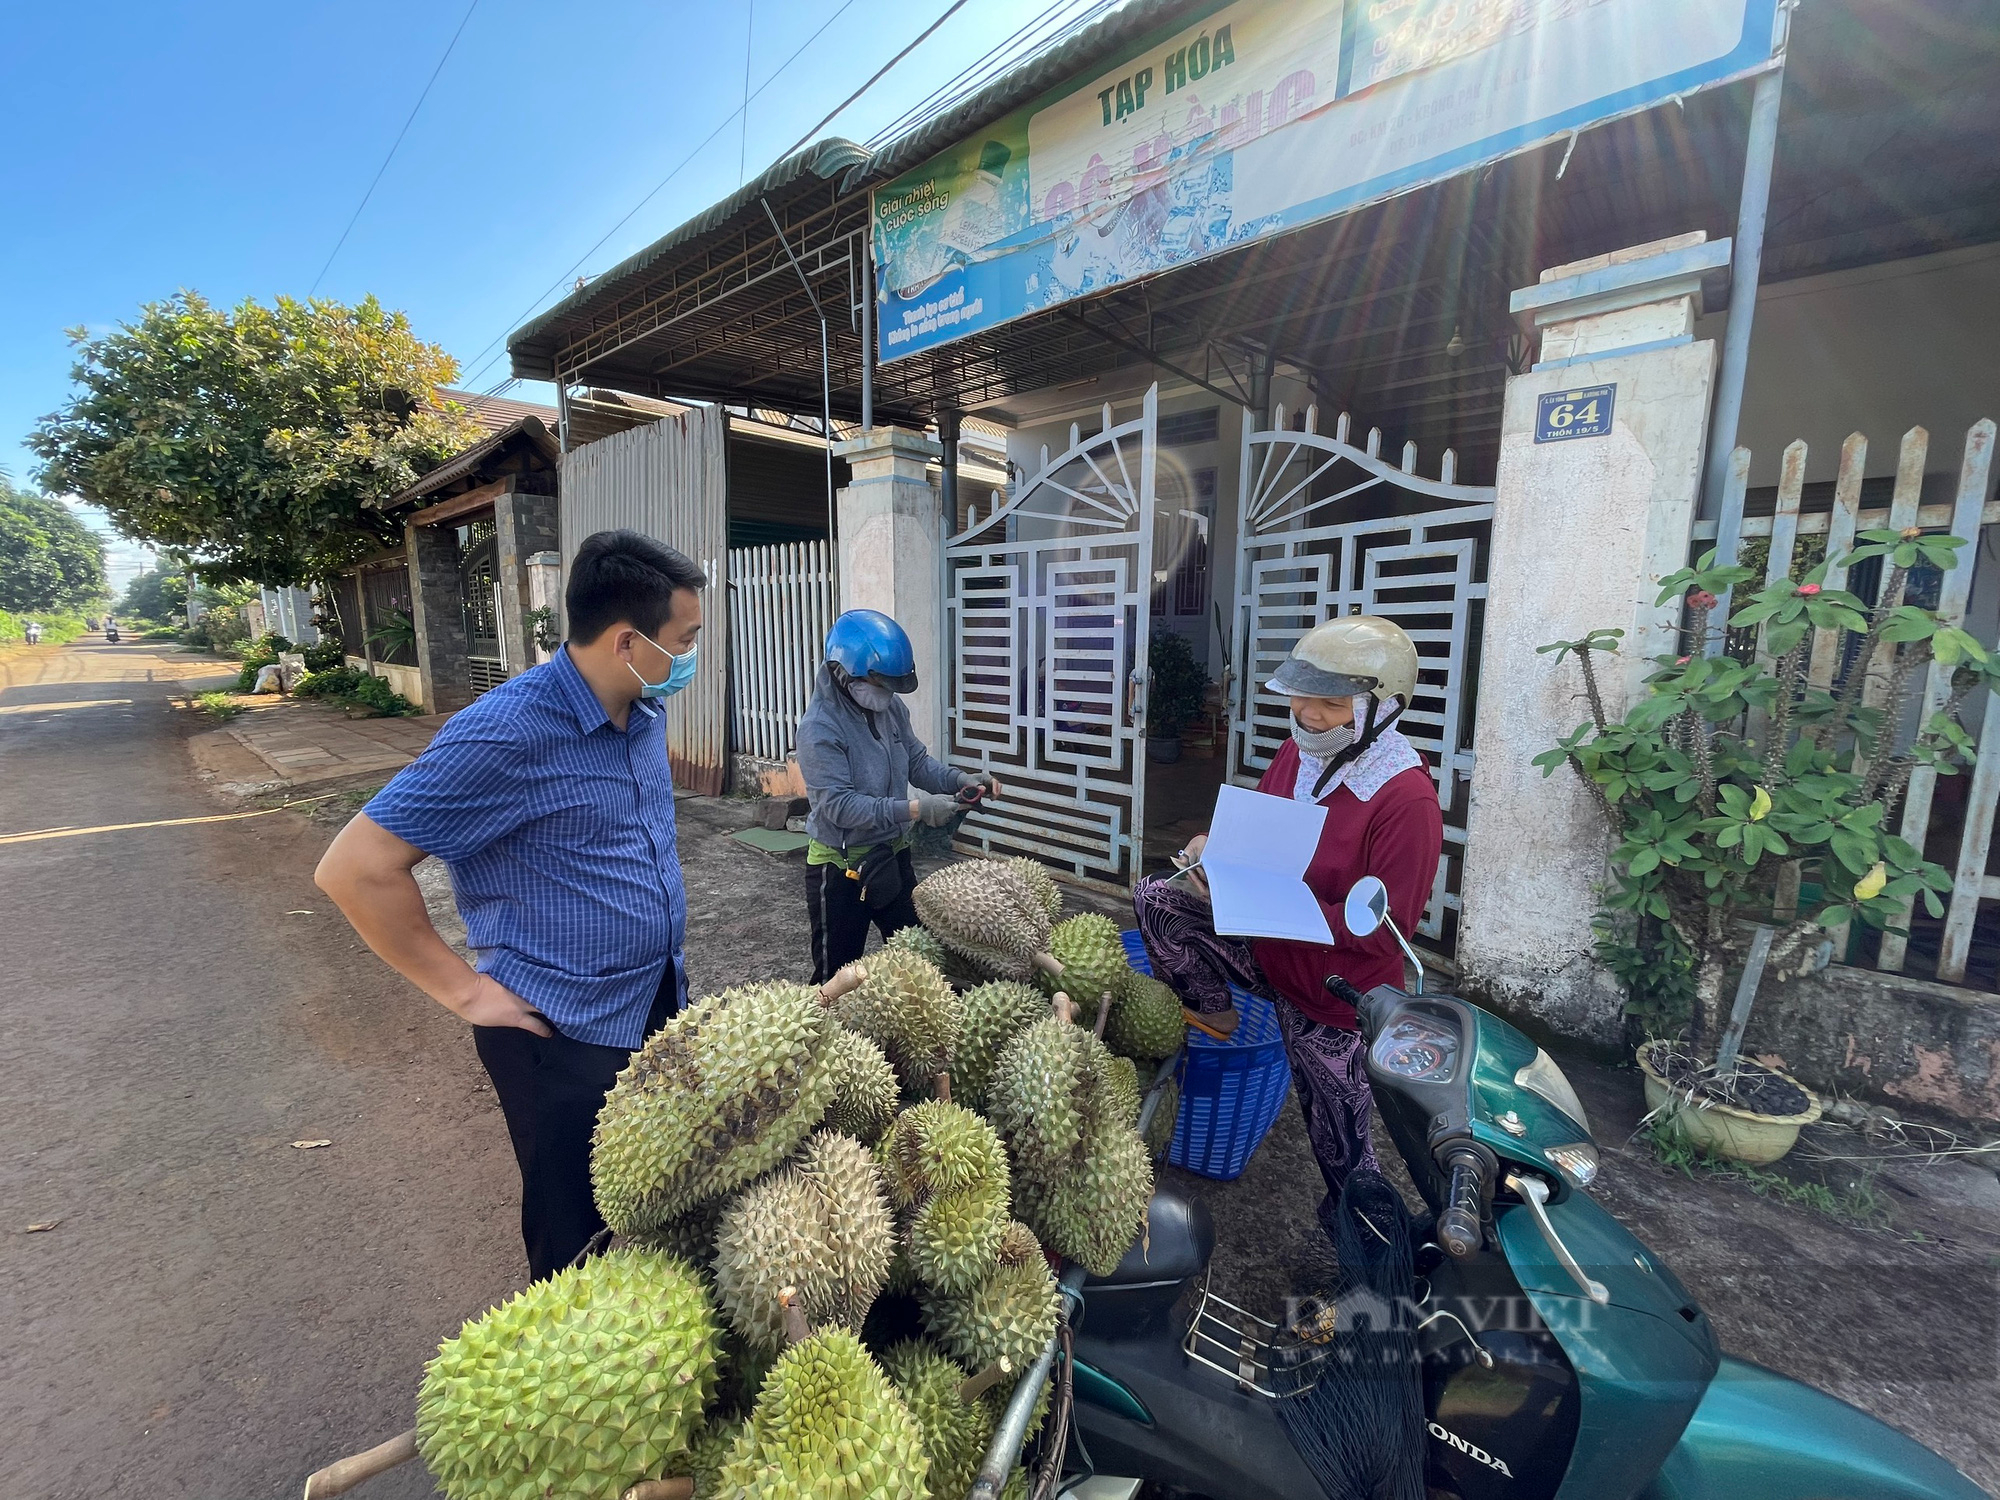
(260, 441)
(1727, 772)
(49, 560)
(154, 594)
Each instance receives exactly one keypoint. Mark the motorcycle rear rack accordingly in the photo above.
(1232, 1341)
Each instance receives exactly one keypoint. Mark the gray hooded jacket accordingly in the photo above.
(859, 768)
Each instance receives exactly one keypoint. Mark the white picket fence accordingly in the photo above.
(1969, 511)
(782, 601)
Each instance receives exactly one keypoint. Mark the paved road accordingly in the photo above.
(217, 1313)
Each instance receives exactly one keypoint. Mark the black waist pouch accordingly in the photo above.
(881, 875)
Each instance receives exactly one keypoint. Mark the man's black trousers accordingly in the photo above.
(550, 1089)
(840, 917)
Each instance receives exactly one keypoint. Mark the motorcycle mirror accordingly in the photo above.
(1367, 905)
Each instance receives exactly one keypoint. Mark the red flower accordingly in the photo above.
(1702, 599)
(1808, 589)
(1683, 661)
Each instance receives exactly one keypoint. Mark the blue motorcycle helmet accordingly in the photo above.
(867, 645)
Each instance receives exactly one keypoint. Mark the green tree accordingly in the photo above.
(154, 594)
(261, 441)
(49, 560)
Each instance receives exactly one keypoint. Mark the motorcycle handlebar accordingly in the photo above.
(1459, 1228)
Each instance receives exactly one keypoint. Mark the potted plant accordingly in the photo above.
(1176, 686)
(1734, 783)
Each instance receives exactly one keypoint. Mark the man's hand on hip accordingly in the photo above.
(491, 1003)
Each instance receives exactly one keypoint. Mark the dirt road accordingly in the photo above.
(216, 1312)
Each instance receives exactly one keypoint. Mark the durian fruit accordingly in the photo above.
(579, 1386)
(1121, 1080)
(691, 1235)
(956, 1431)
(994, 1014)
(1092, 959)
(1011, 1314)
(1045, 1090)
(865, 1092)
(947, 1176)
(821, 1226)
(1166, 1114)
(718, 1096)
(1092, 1211)
(1145, 1019)
(1035, 875)
(924, 943)
(906, 1008)
(707, 1451)
(827, 1426)
(987, 912)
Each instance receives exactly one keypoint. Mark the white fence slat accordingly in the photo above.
(781, 604)
(1902, 515)
(1840, 529)
(1970, 883)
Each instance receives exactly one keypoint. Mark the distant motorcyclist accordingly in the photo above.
(33, 631)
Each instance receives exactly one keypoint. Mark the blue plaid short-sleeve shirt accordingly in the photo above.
(558, 830)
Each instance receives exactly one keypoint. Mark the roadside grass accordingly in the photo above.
(1858, 1202)
(219, 706)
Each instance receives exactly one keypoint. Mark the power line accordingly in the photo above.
(953, 9)
(355, 218)
(721, 126)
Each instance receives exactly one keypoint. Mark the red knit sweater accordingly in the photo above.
(1398, 834)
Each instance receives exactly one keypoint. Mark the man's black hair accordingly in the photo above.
(622, 575)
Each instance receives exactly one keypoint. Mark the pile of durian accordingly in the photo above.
(836, 1213)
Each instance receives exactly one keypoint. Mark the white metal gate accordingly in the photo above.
(1326, 529)
(1046, 608)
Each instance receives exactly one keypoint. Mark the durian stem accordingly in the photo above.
(661, 1489)
(1103, 1013)
(1063, 1006)
(974, 1386)
(944, 1086)
(797, 1329)
(1049, 964)
(845, 982)
(339, 1478)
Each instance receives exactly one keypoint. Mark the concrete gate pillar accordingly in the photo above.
(890, 556)
(1598, 483)
(438, 612)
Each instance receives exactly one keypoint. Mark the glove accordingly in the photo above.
(935, 809)
(977, 787)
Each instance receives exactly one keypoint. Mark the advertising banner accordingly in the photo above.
(1264, 116)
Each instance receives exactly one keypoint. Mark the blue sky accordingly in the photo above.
(223, 146)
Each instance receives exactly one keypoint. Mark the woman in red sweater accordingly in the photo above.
(1348, 680)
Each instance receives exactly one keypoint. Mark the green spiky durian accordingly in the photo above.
(947, 1174)
(718, 1096)
(986, 912)
(994, 1014)
(707, 1451)
(580, 1385)
(1166, 1114)
(1093, 962)
(924, 943)
(1145, 1019)
(906, 1007)
(865, 1092)
(956, 1431)
(1011, 1314)
(1035, 875)
(828, 1425)
(691, 1235)
(1046, 1089)
(1092, 1211)
(822, 1226)
(1121, 1082)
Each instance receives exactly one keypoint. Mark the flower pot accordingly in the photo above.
(1163, 751)
(1726, 1130)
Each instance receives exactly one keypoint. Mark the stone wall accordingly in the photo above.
(526, 525)
(440, 618)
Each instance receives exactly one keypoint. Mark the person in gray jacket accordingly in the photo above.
(860, 758)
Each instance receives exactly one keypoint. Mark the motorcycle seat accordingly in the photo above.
(1178, 1242)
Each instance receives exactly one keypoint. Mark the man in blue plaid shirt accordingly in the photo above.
(551, 801)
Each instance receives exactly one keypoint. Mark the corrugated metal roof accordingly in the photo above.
(496, 412)
(469, 459)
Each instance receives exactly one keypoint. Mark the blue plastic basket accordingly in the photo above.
(1231, 1091)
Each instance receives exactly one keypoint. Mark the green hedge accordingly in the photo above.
(344, 685)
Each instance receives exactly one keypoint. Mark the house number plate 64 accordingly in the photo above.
(1563, 415)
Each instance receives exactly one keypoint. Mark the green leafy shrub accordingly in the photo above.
(223, 631)
(57, 629)
(1177, 685)
(1726, 771)
(355, 689)
(218, 705)
(325, 653)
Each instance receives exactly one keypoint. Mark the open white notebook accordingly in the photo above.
(1255, 860)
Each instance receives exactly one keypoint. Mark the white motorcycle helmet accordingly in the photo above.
(1361, 657)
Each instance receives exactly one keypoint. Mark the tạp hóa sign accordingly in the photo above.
(1263, 117)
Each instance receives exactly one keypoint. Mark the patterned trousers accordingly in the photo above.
(1190, 955)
